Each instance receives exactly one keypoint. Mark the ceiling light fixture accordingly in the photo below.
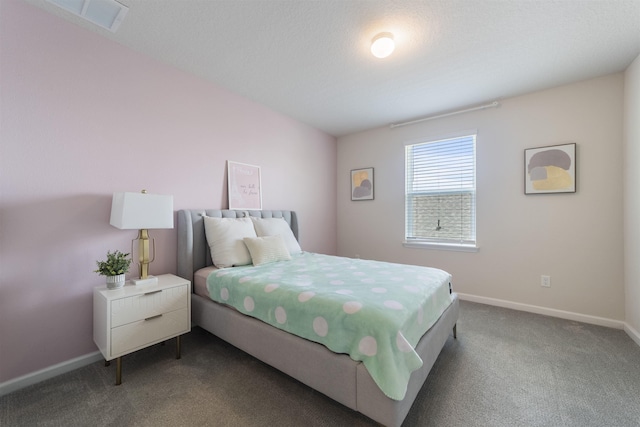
(382, 45)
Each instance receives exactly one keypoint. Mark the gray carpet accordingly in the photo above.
(507, 368)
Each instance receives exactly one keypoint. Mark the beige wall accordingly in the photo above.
(632, 198)
(577, 239)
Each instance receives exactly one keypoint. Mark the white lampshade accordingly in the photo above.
(382, 45)
(136, 211)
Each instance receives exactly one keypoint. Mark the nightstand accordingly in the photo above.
(135, 317)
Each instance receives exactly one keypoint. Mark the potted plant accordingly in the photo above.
(114, 268)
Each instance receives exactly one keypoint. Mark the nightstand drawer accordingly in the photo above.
(151, 303)
(130, 337)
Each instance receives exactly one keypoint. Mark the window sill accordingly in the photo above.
(441, 246)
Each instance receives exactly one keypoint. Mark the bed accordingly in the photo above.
(336, 375)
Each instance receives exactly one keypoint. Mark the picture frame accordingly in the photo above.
(362, 184)
(244, 186)
(550, 169)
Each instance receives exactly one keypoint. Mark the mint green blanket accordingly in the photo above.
(374, 311)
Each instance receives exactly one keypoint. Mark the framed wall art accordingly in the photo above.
(362, 184)
(244, 186)
(550, 169)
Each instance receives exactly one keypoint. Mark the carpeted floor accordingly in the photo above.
(507, 368)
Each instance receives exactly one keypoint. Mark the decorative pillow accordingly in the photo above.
(224, 236)
(267, 249)
(277, 226)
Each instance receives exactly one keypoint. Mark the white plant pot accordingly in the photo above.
(115, 282)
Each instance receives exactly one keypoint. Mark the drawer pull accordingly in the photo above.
(153, 317)
(151, 293)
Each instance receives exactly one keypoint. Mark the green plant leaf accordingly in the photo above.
(116, 263)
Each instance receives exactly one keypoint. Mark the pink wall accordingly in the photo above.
(83, 117)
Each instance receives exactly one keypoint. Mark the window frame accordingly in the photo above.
(470, 245)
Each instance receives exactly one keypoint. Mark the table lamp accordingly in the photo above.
(142, 211)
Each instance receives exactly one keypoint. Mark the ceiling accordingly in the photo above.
(310, 60)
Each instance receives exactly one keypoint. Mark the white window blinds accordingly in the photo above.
(440, 195)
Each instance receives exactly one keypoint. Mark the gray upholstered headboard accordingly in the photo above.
(193, 250)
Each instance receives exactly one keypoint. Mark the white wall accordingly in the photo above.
(575, 238)
(632, 198)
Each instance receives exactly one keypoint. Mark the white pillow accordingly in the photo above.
(277, 226)
(267, 249)
(224, 236)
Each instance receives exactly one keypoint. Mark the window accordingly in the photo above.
(440, 194)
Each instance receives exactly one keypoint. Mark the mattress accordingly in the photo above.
(200, 281)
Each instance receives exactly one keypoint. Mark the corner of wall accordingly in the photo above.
(631, 175)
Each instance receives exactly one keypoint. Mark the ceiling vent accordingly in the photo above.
(107, 14)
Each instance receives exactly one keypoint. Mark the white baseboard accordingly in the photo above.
(635, 335)
(50, 372)
(584, 318)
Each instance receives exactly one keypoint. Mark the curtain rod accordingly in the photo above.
(451, 113)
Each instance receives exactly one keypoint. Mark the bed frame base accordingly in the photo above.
(335, 375)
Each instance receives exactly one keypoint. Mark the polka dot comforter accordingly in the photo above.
(374, 311)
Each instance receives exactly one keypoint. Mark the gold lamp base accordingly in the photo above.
(143, 258)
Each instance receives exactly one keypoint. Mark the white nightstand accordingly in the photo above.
(135, 317)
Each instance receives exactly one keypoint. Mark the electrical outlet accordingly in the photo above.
(545, 281)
